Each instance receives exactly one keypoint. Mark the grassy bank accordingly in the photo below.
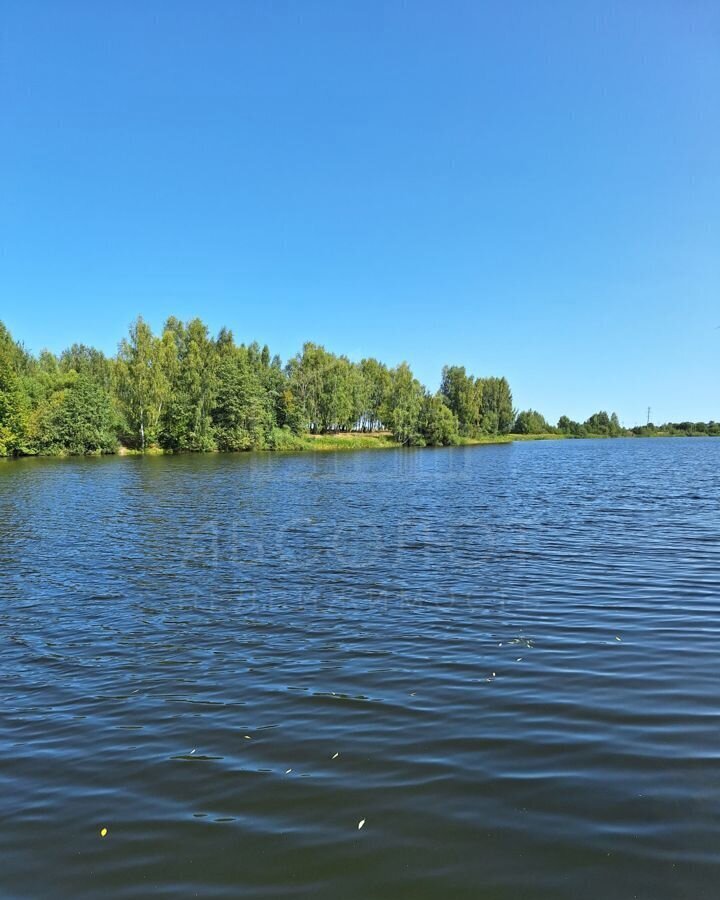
(319, 443)
(289, 442)
(509, 438)
(383, 440)
(340, 441)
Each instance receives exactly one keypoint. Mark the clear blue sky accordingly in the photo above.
(529, 189)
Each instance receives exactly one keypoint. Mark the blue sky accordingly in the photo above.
(529, 189)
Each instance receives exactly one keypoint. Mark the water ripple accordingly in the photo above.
(503, 659)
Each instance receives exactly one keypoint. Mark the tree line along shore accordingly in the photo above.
(185, 390)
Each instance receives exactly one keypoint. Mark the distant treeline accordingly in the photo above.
(186, 390)
(601, 424)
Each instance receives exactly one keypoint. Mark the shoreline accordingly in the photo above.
(347, 441)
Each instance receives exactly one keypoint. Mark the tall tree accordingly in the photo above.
(496, 409)
(438, 423)
(322, 387)
(87, 361)
(77, 419)
(530, 421)
(187, 423)
(463, 395)
(13, 403)
(376, 384)
(142, 383)
(402, 404)
(243, 413)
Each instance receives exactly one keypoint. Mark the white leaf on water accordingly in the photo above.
(361, 823)
(617, 638)
(288, 771)
(335, 755)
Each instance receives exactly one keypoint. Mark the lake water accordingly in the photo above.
(504, 659)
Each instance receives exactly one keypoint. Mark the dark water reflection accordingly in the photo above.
(514, 651)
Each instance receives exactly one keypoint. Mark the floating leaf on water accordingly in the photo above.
(617, 638)
(103, 832)
(335, 755)
(288, 771)
(193, 750)
(361, 823)
(247, 737)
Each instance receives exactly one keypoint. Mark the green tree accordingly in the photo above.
(77, 419)
(87, 361)
(496, 409)
(13, 402)
(438, 424)
(187, 420)
(243, 413)
(463, 395)
(530, 421)
(603, 424)
(141, 383)
(324, 389)
(402, 405)
(376, 383)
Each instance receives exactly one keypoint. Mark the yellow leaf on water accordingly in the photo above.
(103, 832)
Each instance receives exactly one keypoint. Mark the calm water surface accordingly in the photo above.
(513, 649)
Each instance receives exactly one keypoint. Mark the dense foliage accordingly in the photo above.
(682, 429)
(599, 424)
(187, 390)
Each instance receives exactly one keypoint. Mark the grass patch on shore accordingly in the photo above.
(547, 436)
(508, 438)
(347, 441)
(283, 440)
(384, 440)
